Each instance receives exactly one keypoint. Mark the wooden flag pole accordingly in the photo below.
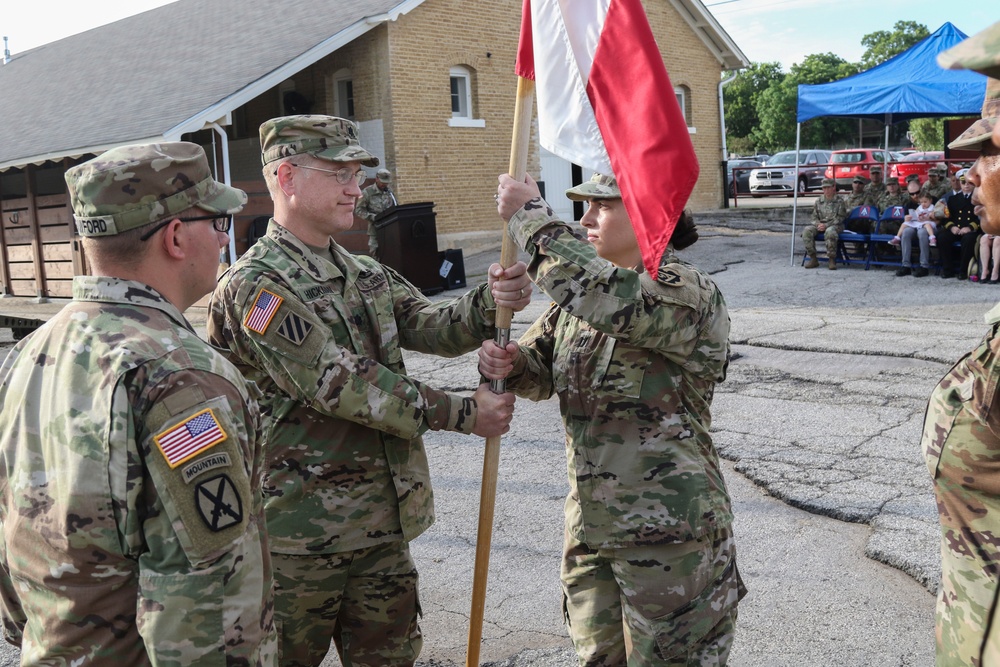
(518, 167)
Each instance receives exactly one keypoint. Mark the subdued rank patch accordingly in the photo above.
(669, 276)
(294, 328)
(203, 465)
(264, 308)
(218, 503)
(189, 438)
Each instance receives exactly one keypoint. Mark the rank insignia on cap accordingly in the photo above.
(669, 276)
(264, 307)
(218, 503)
(192, 436)
(294, 328)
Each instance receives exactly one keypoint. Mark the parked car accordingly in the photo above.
(853, 162)
(741, 183)
(919, 163)
(777, 176)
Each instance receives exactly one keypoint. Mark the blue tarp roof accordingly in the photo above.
(908, 85)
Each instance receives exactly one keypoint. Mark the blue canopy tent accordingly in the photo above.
(908, 85)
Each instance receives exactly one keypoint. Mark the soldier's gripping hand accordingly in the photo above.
(496, 362)
(512, 196)
(510, 287)
(494, 412)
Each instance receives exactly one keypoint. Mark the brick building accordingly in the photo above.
(430, 83)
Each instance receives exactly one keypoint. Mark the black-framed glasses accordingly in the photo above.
(344, 174)
(221, 223)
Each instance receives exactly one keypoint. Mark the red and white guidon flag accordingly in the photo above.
(605, 102)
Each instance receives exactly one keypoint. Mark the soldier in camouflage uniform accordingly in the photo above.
(857, 196)
(130, 470)
(375, 199)
(649, 565)
(961, 435)
(936, 185)
(321, 332)
(875, 189)
(828, 215)
(892, 196)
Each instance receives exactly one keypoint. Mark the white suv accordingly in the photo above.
(777, 176)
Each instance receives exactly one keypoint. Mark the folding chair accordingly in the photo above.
(861, 242)
(882, 252)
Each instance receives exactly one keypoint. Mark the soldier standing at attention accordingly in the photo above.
(375, 199)
(321, 332)
(133, 527)
(649, 563)
(875, 189)
(961, 437)
(828, 215)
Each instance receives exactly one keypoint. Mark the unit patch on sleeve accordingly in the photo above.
(264, 307)
(219, 503)
(192, 436)
(294, 328)
(669, 276)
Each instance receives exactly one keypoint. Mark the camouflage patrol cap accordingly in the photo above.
(981, 53)
(860, 179)
(828, 183)
(383, 176)
(324, 137)
(132, 186)
(913, 177)
(598, 187)
(892, 180)
(982, 129)
(875, 169)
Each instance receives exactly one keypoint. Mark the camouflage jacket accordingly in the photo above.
(347, 468)
(961, 445)
(888, 200)
(634, 361)
(873, 192)
(936, 191)
(854, 200)
(830, 211)
(133, 526)
(373, 201)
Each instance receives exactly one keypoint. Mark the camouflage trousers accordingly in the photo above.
(365, 600)
(372, 241)
(669, 605)
(830, 239)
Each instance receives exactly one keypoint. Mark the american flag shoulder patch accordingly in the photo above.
(191, 437)
(262, 312)
(294, 328)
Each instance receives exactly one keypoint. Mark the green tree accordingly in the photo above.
(927, 134)
(882, 45)
(740, 98)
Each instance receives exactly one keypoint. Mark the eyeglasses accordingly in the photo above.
(344, 174)
(222, 223)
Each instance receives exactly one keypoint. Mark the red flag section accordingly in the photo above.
(602, 66)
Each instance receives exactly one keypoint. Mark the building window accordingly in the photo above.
(683, 94)
(461, 99)
(345, 98)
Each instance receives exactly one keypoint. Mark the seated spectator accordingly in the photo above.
(875, 189)
(919, 222)
(963, 226)
(857, 196)
(891, 197)
(828, 216)
(989, 248)
(936, 186)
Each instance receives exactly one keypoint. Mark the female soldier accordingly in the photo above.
(649, 570)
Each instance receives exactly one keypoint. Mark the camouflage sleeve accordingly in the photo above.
(611, 299)
(361, 209)
(532, 374)
(842, 211)
(318, 371)
(11, 613)
(815, 218)
(196, 530)
(445, 328)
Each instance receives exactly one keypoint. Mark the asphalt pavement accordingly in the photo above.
(819, 424)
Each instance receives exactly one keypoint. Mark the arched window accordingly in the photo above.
(683, 94)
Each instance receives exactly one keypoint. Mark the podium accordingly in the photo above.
(407, 242)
